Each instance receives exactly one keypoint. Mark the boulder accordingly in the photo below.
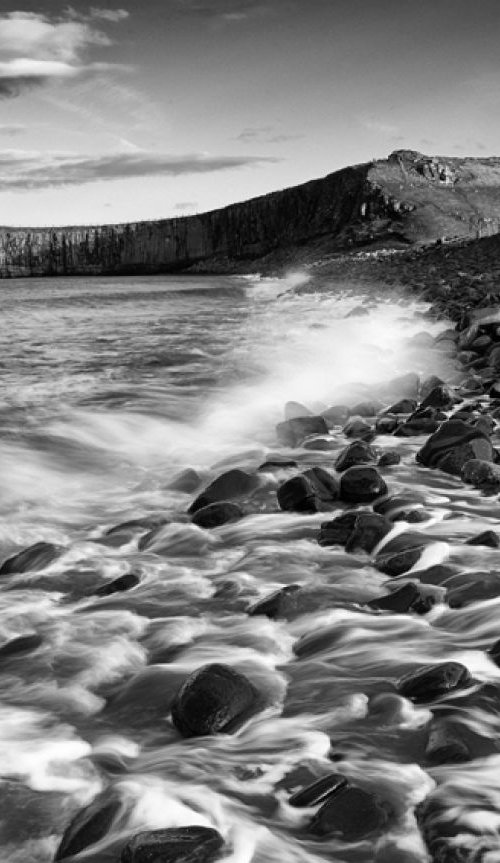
(21, 644)
(357, 452)
(228, 486)
(335, 415)
(324, 485)
(351, 814)
(488, 538)
(356, 427)
(368, 530)
(366, 409)
(430, 682)
(481, 474)
(194, 844)
(387, 424)
(320, 444)
(213, 699)
(125, 532)
(313, 491)
(407, 598)
(295, 410)
(123, 582)
(404, 406)
(467, 587)
(429, 384)
(274, 463)
(389, 458)
(452, 445)
(277, 604)
(421, 421)
(361, 485)
(294, 431)
(31, 559)
(90, 824)
(318, 791)
(338, 530)
(187, 480)
(445, 745)
(448, 838)
(217, 514)
(399, 562)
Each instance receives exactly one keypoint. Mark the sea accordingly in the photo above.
(110, 387)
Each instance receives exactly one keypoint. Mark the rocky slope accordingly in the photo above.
(407, 198)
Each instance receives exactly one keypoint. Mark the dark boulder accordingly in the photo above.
(445, 745)
(20, 644)
(174, 845)
(320, 444)
(118, 585)
(232, 484)
(356, 427)
(217, 514)
(324, 485)
(123, 533)
(466, 587)
(430, 682)
(398, 562)
(313, 491)
(404, 406)
(366, 409)
(389, 458)
(421, 421)
(407, 598)
(387, 424)
(213, 699)
(452, 445)
(90, 824)
(293, 432)
(350, 814)
(430, 384)
(338, 530)
(368, 530)
(318, 791)
(361, 485)
(277, 604)
(357, 452)
(274, 463)
(187, 480)
(31, 559)
(481, 474)
(488, 538)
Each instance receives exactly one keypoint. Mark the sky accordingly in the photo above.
(147, 109)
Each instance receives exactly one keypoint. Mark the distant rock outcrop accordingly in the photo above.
(406, 199)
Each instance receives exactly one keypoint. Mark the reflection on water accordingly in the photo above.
(109, 389)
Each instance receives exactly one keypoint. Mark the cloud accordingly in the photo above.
(36, 49)
(264, 134)
(230, 10)
(29, 170)
(113, 15)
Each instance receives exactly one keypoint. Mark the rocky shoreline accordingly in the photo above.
(351, 479)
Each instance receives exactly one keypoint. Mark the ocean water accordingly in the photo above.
(110, 388)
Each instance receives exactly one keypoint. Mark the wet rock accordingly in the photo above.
(277, 604)
(295, 410)
(338, 530)
(421, 421)
(335, 415)
(194, 844)
(350, 814)
(481, 474)
(452, 445)
(481, 343)
(276, 462)
(213, 699)
(217, 514)
(399, 562)
(357, 452)
(396, 503)
(366, 409)
(449, 839)
(437, 574)
(356, 427)
(429, 384)
(404, 406)
(488, 538)
(125, 532)
(36, 557)
(318, 791)
(90, 824)
(187, 480)
(389, 458)
(118, 585)
(293, 432)
(466, 587)
(407, 598)
(312, 491)
(20, 644)
(494, 390)
(229, 485)
(368, 530)
(321, 444)
(387, 424)
(430, 682)
(440, 396)
(361, 485)
(412, 516)
(445, 745)
(324, 485)
(494, 652)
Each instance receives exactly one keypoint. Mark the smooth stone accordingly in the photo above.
(412, 516)
(296, 410)
(293, 432)
(398, 502)
(481, 474)
(430, 682)
(366, 409)
(481, 343)
(403, 406)
(324, 485)
(444, 744)
(437, 574)
(357, 452)
(421, 421)
(407, 598)
(356, 427)
(399, 562)
(390, 458)
(296, 495)
(387, 424)
(439, 397)
(466, 587)
(338, 530)
(318, 791)
(194, 844)
(90, 824)
(430, 384)
(368, 530)
(187, 480)
(361, 485)
(31, 559)
(335, 415)
(350, 814)
(217, 514)
(213, 699)
(125, 532)
(20, 644)
(229, 485)
(488, 538)
(123, 582)
(277, 604)
(494, 652)
(275, 463)
(452, 445)
(321, 444)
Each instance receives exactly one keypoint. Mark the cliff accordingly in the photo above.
(405, 199)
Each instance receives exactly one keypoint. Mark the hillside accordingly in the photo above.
(406, 199)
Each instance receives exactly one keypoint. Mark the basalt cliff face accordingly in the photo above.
(406, 199)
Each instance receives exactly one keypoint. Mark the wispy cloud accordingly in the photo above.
(36, 49)
(11, 129)
(113, 15)
(265, 135)
(31, 170)
(230, 10)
